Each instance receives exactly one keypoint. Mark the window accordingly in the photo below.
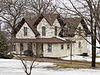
(62, 46)
(68, 46)
(21, 47)
(79, 44)
(25, 31)
(49, 47)
(55, 30)
(43, 31)
(79, 30)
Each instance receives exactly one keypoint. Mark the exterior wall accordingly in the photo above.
(30, 33)
(50, 30)
(84, 44)
(56, 50)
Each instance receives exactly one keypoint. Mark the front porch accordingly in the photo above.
(43, 47)
(36, 48)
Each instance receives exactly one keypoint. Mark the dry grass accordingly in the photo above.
(73, 66)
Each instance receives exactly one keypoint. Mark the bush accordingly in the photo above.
(4, 46)
(9, 56)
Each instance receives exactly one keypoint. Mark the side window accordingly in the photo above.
(68, 46)
(43, 31)
(55, 30)
(25, 31)
(49, 47)
(62, 46)
(79, 44)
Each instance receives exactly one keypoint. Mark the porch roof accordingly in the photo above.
(41, 40)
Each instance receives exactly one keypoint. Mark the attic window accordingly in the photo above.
(79, 30)
(43, 31)
(55, 30)
(79, 44)
(25, 31)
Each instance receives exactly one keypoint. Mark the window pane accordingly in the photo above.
(49, 47)
(43, 31)
(79, 30)
(25, 31)
(68, 46)
(79, 44)
(55, 30)
(62, 46)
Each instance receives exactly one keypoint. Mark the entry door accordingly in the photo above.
(29, 46)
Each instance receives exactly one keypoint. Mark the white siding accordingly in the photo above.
(56, 50)
(50, 30)
(30, 33)
(84, 44)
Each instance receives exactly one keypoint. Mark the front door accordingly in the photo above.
(29, 46)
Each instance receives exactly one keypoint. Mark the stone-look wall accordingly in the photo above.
(50, 30)
(30, 34)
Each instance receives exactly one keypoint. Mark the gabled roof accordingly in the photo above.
(50, 18)
(69, 22)
(72, 24)
(33, 22)
(40, 40)
(30, 23)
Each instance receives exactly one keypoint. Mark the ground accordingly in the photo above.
(15, 67)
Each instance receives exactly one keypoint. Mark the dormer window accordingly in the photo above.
(43, 31)
(25, 31)
(79, 30)
(79, 44)
(55, 30)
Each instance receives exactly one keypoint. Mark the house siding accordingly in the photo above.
(75, 49)
(50, 30)
(30, 34)
(56, 50)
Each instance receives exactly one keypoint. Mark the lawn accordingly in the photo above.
(15, 67)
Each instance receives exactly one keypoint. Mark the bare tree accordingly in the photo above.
(13, 11)
(37, 7)
(89, 11)
(27, 65)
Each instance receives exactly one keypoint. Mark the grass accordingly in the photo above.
(97, 56)
(73, 66)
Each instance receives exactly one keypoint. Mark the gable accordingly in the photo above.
(50, 30)
(30, 33)
(71, 24)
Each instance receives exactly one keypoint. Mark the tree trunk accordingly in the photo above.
(94, 48)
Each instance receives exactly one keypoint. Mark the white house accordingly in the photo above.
(48, 35)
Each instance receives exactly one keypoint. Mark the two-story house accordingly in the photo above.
(49, 35)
